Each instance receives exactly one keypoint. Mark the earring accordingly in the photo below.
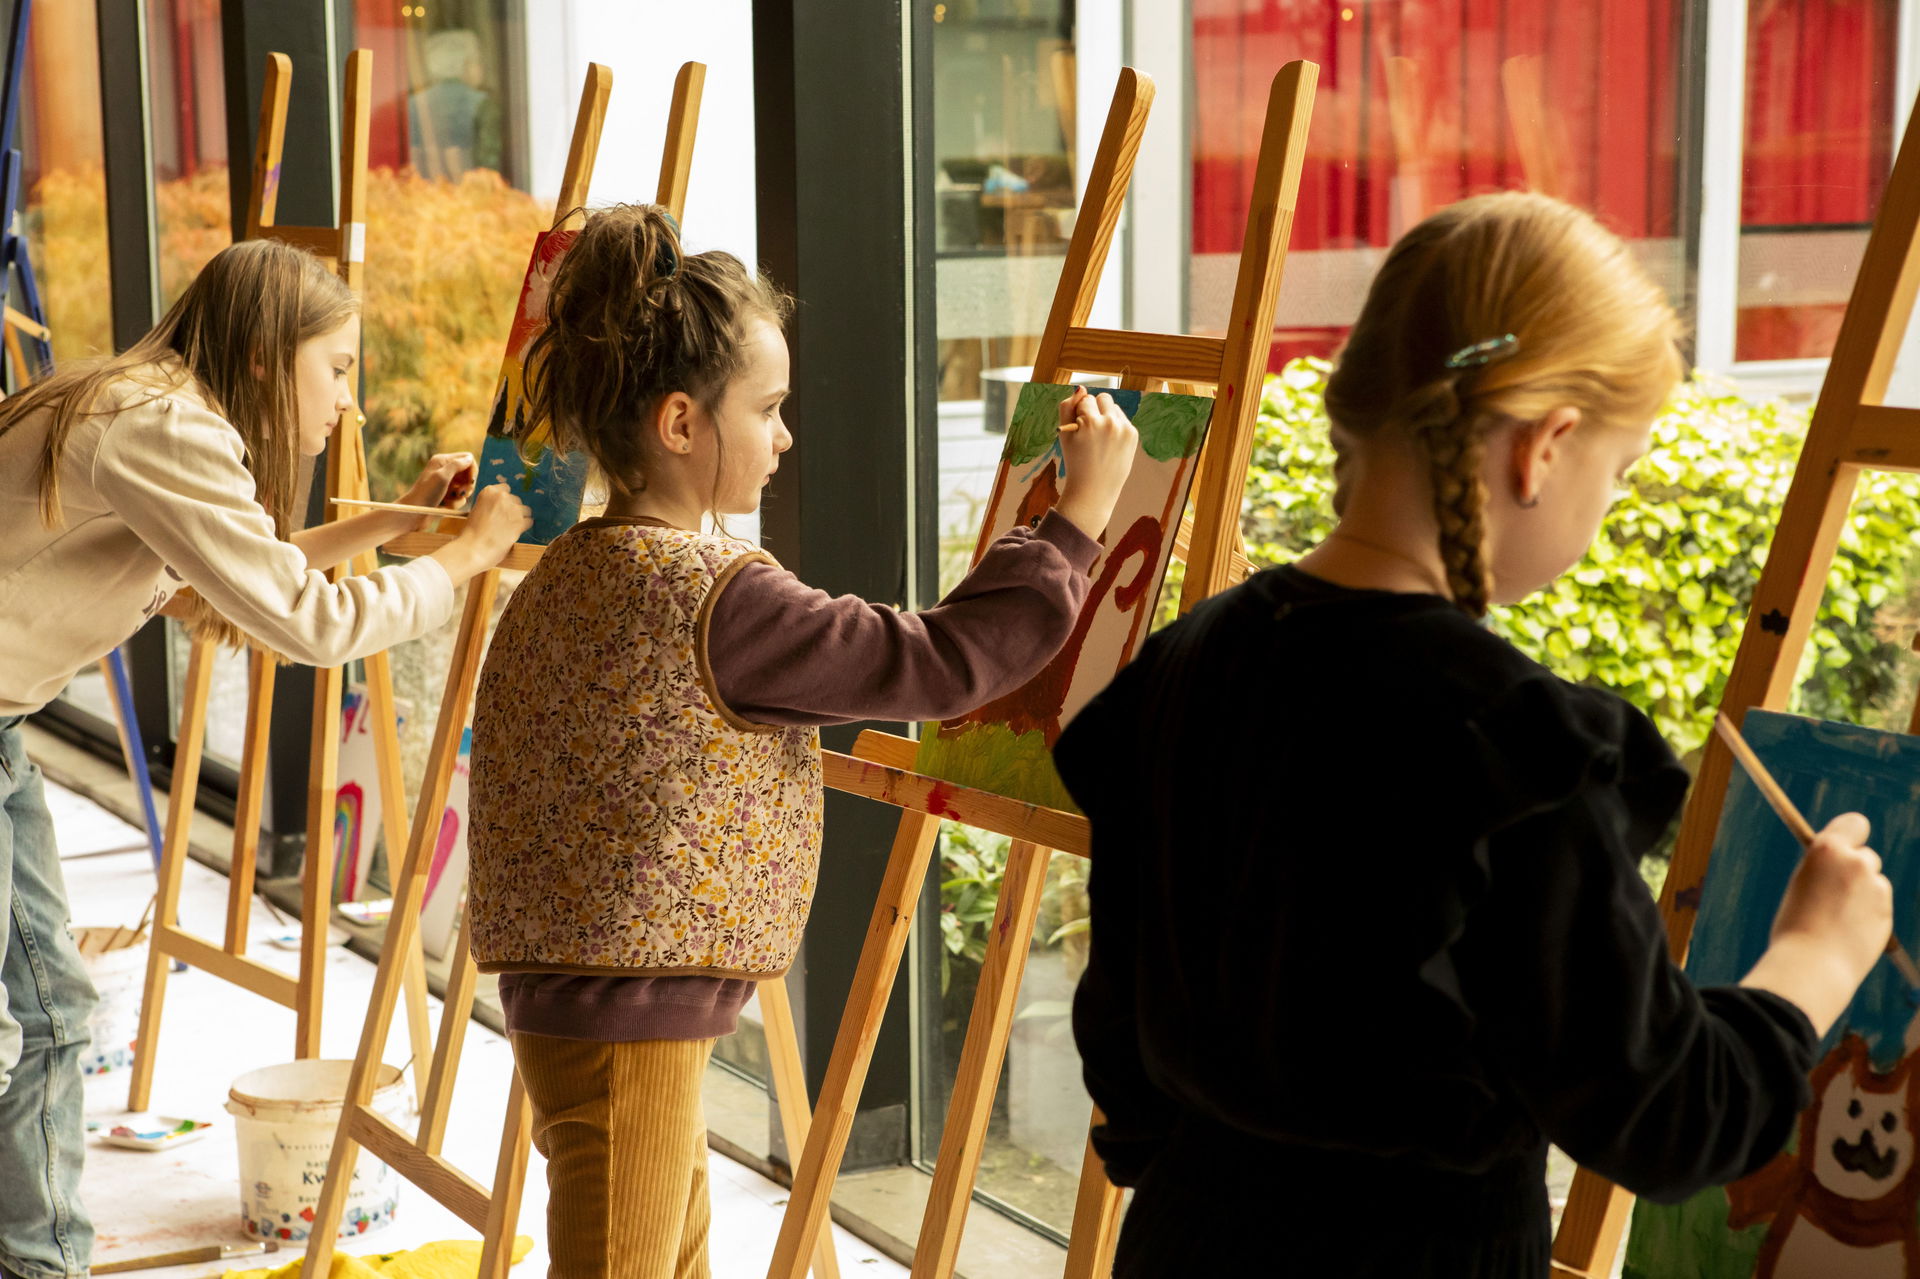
(1530, 503)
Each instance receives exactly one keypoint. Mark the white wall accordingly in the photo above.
(644, 43)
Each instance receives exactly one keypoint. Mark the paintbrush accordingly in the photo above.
(404, 508)
(187, 1256)
(1802, 830)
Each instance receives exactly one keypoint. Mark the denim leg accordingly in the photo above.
(45, 1233)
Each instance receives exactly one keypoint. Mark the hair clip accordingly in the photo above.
(1484, 352)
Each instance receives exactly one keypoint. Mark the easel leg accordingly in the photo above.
(419, 1040)
(173, 859)
(253, 784)
(383, 716)
(455, 1012)
(316, 881)
(509, 1184)
(832, 1125)
(790, 1088)
(1591, 1227)
(403, 928)
(1096, 1220)
(989, 1026)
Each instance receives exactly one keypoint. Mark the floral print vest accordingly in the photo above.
(623, 819)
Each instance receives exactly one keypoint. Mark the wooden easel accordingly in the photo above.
(417, 1157)
(1852, 431)
(343, 247)
(881, 764)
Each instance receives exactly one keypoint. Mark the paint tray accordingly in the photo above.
(155, 1132)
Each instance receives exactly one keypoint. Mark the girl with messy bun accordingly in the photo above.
(1425, 953)
(646, 784)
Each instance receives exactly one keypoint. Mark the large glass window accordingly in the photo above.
(1420, 104)
(1009, 157)
(64, 217)
(187, 86)
(194, 218)
(63, 188)
(1820, 113)
(1003, 200)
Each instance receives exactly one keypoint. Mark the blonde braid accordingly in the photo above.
(1456, 445)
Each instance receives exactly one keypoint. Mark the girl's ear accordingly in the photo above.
(1539, 447)
(673, 422)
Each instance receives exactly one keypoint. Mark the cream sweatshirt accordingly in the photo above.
(155, 494)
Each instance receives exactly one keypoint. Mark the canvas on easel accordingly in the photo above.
(356, 797)
(550, 482)
(1852, 430)
(445, 889)
(1843, 1200)
(1006, 746)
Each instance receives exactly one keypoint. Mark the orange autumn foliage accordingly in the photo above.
(443, 272)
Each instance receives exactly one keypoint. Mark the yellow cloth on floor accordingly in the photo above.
(445, 1259)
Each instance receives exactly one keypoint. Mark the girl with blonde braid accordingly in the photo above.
(1368, 931)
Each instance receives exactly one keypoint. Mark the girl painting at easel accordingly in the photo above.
(1368, 930)
(646, 786)
(172, 464)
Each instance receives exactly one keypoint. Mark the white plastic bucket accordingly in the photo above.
(118, 976)
(285, 1118)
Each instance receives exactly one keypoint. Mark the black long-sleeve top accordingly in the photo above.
(1368, 932)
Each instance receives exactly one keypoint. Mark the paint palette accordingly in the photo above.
(155, 1132)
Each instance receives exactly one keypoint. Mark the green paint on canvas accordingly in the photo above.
(1036, 421)
(1690, 1241)
(1172, 426)
(991, 757)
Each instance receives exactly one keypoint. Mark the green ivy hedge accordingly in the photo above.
(1655, 610)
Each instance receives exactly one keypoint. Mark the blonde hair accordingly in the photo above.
(632, 318)
(231, 339)
(1591, 330)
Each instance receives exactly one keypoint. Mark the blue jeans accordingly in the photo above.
(45, 1000)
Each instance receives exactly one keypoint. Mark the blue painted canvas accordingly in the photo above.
(1843, 1200)
(549, 482)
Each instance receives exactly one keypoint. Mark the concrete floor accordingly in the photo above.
(145, 1203)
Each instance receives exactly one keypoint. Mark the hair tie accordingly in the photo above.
(667, 264)
(1484, 352)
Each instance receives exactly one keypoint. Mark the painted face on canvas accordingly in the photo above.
(751, 434)
(1585, 477)
(1864, 1143)
(323, 374)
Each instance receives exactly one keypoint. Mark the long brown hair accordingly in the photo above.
(1590, 328)
(230, 339)
(632, 318)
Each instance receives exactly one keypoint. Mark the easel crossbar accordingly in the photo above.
(1169, 357)
(522, 557)
(451, 1188)
(322, 242)
(1885, 438)
(892, 782)
(249, 974)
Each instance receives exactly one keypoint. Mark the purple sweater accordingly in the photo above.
(785, 653)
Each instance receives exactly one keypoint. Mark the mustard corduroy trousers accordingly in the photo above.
(625, 1138)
